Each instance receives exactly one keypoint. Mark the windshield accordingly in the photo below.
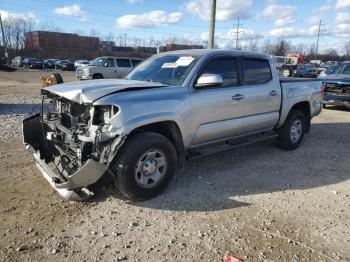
(98, 61)
(342, 69)
(165, 69)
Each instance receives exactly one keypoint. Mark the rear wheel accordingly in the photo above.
(144, 166)
(292, 133)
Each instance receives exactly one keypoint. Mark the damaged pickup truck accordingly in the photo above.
(173, 106)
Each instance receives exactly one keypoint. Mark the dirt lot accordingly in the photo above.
(258, 203)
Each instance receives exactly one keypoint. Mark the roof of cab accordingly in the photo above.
(202, 52)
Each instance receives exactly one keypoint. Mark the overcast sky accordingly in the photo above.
(294, 20)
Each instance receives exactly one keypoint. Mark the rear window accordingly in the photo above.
(256, 71)
(134, 62)
(123, 62)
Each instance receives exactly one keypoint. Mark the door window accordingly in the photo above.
(226, 67)
(110, 62)
(122, 62)
(256, 71)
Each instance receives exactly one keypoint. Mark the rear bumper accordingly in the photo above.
(70, 186)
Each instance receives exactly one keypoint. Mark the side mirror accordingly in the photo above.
(209, 80)
(105, 64)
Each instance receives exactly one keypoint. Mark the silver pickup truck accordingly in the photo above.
(171, 107)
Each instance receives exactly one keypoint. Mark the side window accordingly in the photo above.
(122, 62)
(226, 67)
(256, 71)
(110, 62)
(134, 62)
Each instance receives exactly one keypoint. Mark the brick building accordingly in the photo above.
(173, 47)
(60, 41)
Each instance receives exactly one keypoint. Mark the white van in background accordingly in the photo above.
(107, 67)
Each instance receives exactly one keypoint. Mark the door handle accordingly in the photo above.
(237, 97)
(273, 93)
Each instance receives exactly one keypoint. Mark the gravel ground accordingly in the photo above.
(258, 203)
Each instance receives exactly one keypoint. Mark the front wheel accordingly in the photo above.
(292, 132)
(144, 166)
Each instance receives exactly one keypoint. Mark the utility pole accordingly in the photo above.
(125, 35)
(320, 25)
(4, 41)
(238, 31)
(212, 25)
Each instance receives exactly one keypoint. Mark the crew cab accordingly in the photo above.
(106, 67)
(174, 106)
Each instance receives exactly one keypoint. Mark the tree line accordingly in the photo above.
(15, 29)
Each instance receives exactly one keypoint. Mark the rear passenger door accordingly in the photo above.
(262, 95)
(123, 67)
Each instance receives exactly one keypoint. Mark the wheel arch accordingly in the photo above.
(305, 108)
(168, 129)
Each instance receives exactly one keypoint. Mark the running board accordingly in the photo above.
(227, 145)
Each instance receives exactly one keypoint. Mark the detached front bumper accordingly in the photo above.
(71, 186)
(336, 100)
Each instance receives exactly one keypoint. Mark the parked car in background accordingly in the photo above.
(300, 70)
(327, 71)
(32, 63)
(65, 65)
(107, 67)
(337, 86)
(80, 63)
(308, 71)
(18, 61)
(174, 105)
(49, 63)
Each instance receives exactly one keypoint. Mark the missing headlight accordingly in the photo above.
(102, 114)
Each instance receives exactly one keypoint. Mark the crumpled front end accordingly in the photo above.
(73, 144)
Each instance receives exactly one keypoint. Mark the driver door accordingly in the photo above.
(216, 112)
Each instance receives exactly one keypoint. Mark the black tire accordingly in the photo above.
(124, 166)
(97, 76)
(284, 139)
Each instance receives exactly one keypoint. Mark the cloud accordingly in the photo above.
(149, 20)
(133, 1)
(291, 32)
(72, 10)
(281, 14)
(342, 18)
(341, 4)
(29, 16)
(225, 9)
(342, 30)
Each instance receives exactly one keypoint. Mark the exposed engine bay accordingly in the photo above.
(73, 140)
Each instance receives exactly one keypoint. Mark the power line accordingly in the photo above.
(319, 31)
(238, 31)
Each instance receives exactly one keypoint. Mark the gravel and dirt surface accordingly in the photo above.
(259, 203)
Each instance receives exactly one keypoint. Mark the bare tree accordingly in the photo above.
(347, 49)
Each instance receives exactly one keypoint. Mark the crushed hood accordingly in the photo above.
(86, 92)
